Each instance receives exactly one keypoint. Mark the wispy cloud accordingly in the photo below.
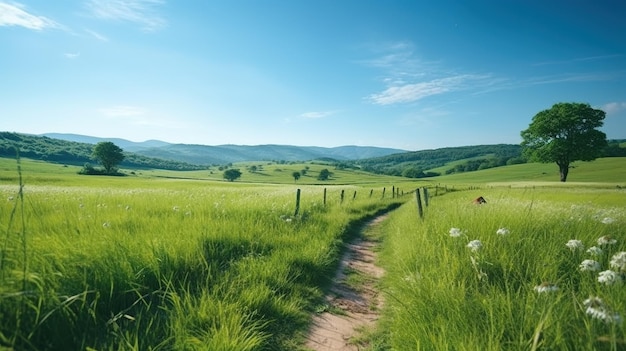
(143, 12)
(71, 56)
(572, 77)
(15, 14)
(409, 79)
(318, 114)
(614, 107)
(410, 92)
(578, 59)
(96, 35)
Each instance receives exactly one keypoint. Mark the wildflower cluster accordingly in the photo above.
(618, 261)
(596, 308)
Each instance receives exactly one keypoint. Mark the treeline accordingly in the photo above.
(74, 153)
(418, 164)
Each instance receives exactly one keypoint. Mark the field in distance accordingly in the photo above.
(602, 172)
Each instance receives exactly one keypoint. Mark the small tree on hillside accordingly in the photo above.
(296, 176)
(564, 134)
(324, 174)
(232, 174)
(109, 155)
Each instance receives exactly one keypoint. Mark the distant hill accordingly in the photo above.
(75, 153)
(126, 145)
(162, 155)
(223, 154)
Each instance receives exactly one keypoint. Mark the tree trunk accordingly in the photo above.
(563, 169)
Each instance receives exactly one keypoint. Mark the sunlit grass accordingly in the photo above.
(523, 289)
(129, 263)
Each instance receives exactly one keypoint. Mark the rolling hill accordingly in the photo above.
(223, 154)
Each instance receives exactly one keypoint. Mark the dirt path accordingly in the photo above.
(353, 302)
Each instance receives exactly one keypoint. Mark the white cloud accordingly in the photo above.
(416, 91)
(319, 114)
(97, 35)
(143, 12)
(614, 107)
(71, 56)
(15, 15)
(408, 78)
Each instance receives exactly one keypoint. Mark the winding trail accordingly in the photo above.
(351, 306)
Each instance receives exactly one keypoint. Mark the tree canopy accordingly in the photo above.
(324, 174)
(232, 174)
(563, 134)
(109, 155)
(296, 175)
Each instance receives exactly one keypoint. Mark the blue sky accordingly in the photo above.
(406, 74)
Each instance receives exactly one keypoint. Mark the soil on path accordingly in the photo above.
(351, 306)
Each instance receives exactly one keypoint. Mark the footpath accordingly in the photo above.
(352, 305)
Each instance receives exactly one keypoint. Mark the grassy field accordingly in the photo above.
(507, 275)
(161, 260)
(153, 263)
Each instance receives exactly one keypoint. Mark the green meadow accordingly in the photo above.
(164, 260)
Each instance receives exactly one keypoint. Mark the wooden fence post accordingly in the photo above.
(324, 196)
(393, 192)
(383, 193)
(342, 195)
(297, 202)
(426, 196)
(420, 210)
(371, 192)
(354, 196)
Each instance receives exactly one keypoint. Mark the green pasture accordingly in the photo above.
(154, 263)
(442, 295)
(608, 171)
(165, 260)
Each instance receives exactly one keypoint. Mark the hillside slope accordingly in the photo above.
(223, 154)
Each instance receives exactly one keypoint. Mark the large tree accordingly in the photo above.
(109, 155)
(565, 133)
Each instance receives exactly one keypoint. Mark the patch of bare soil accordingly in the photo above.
(353, 301)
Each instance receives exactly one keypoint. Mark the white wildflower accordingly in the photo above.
(595, 251)
(175, 208)
(607, 220)
(606, 240)
(596, 309)
(575, 244)
(503, 231)
(618, 261)
(589, 265)
(455, 232)
(475, 245)
(546, 287)
(106, 224)
(609, 277)
(594, 302)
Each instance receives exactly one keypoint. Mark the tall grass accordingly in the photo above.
(118, 264)
(442, 295)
